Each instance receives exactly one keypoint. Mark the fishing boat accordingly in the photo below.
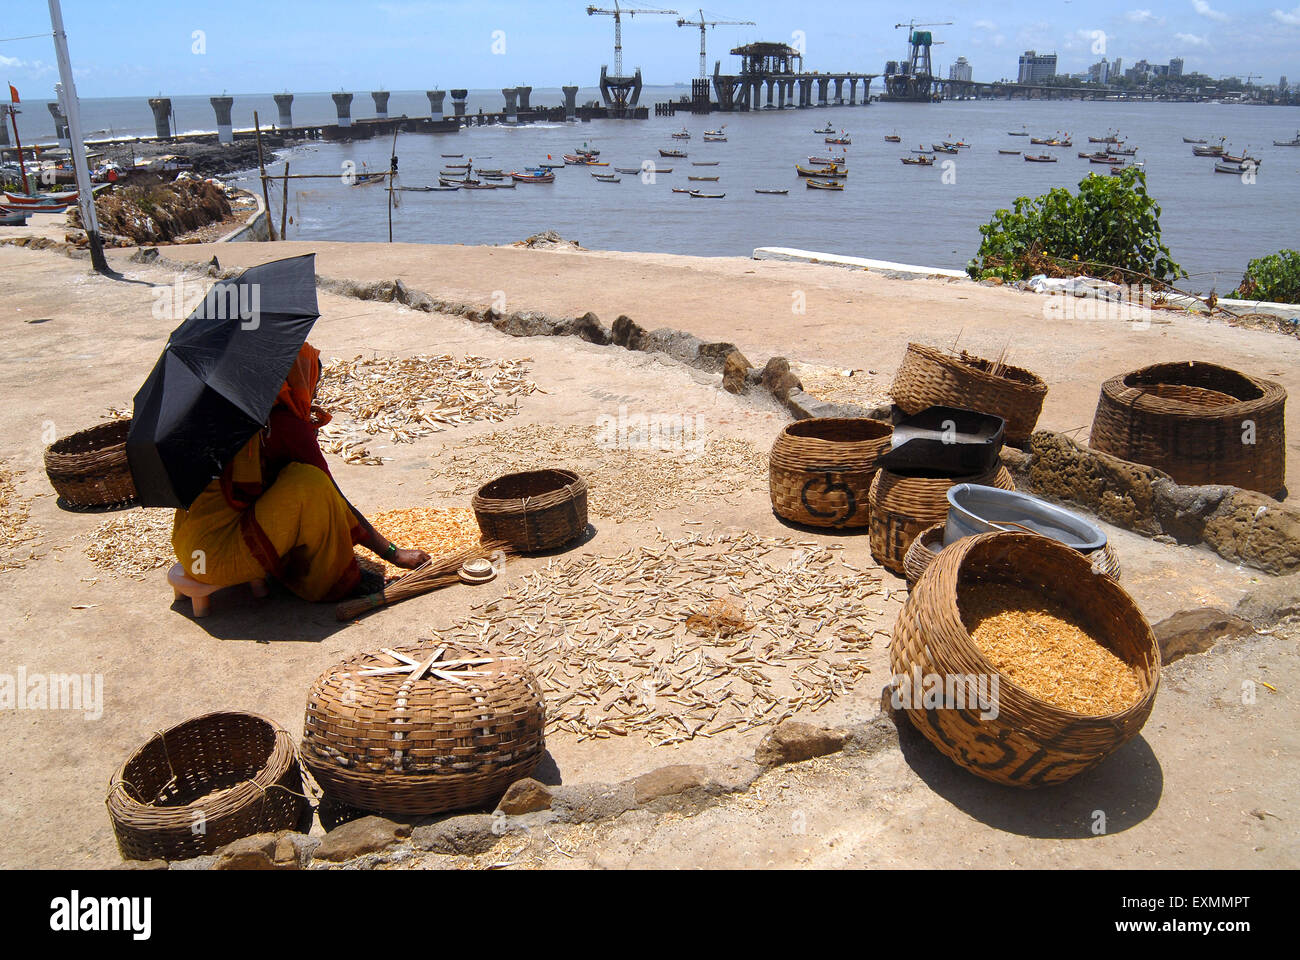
(19, 199)
(705, 163)
(629, 171)
(1043, 158)
(717, 133)
(678, 154)
(893, 138)
(919, 161)
(1116, 171)
(1288, 143)
(487, 173)
(456, 166)
(597, 163)
(832, 172)
(604, 176)
(962, 144)
(773, 193)
(1018, 133)
(1010, 153)
(610, 179)
(684, 135)
(1194, 140)
(939, 148)
(366, 179)
(1125, 151)
(456, 155)
(708, 139)
(574, 161)
(13, 218)
(830, 130)
(681, 190)
(840, 141)
(663, 170)
(1237, 168)
(824, 185)
(586, 151)
(1244, 158)
(441, 189)
(829, 161)
(550, 166)
(533, 176)
(704, 179)
(1110, 161)
(699, 195)
(1208, 151)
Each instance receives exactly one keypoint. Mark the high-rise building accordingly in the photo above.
(961, 70)
(1282, 86)
(1117, 68)
(1035, 68)
(1176, 67)
(1099, 72)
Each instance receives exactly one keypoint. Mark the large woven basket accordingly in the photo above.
(205, 783)
(902, 506)
(821, 470)
(929, 544)
(929, 377)
(89, 470)
(390, 744)
(1198, 422)
(537, 510)
(1029, 742)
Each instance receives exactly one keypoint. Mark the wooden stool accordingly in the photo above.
(200, 594)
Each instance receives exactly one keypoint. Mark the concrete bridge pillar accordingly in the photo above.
(823, 87)
(839, 91)
(162, 116)
(458, 102)
(343, 107)
(4, 131)
(570, 103)
(853, 91)
(512, 107)
(436, 99)
(525, 94)
(381, 103)
(780, 86)
(221, 107)
(60, 124)
(284, 103)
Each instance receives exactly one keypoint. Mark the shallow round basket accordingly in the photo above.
(1198, 422)
(820, 470)
(1030, 742)
(205, 783)
(904, 505)
(387, 743)
(89, 470)
(929, 377)
(929, 544)
(537, 510)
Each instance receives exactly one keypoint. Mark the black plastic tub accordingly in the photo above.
(947, 440)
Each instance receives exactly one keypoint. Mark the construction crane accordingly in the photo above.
(617, 14)
(704, 25)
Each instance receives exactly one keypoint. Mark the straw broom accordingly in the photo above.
(435, 574)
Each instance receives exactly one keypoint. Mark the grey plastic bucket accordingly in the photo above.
(974, 509)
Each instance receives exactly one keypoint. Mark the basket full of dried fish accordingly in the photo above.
(820, 470)
(1020, 662)
(423, 728)
(533, 511)
(89, 469)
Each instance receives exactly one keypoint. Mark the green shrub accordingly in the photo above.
(1274, 278)
(1110, 229)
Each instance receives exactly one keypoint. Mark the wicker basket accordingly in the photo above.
(533, 511)
(1191, 421)
(929, 544)
(1029, 742)
(205, 783)
(391, 744)
(929, 377)
(902, 506)
(89, 470)
(821, 470)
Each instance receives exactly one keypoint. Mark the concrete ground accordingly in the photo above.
(76, 344)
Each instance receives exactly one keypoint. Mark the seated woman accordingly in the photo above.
(276, 510)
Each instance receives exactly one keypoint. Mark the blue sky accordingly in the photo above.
(141, 49)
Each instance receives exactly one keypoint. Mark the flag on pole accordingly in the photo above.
(13, 93)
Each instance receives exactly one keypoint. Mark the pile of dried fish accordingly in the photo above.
(405, 398)
(16, 531)
(607, 637)
(133, 543)
(625, 484)
(435, 531)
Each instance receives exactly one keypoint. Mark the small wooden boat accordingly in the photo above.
(923, 151)
(704, 179)
(1288, 143)
(503, 186)
(456, 155)
(919, 161)
(684, 135)
(717, 133)
(828, 161)
(456, 166)
(366, 179)
(533, 176)
(550, 166)
(773, 193)
(840, 141)
(1020, 133)
(830, 130)
(487, 173)
(1040, 141)
(708, 139)
(663, 170)
(832, 172)
(957, 143)
(824, 185)
(682, 190)
(1110, 161)
(705, 163)
(1244, 158)
(1194, 140)
(698, 195)
(610, 179)
(1010, 153)
(939, 148)
(574, 161)
(629, 171)
(679, 154)
(479, 186)
(604, 176)
(893, 138)
(1208, 151)
(1043, 158)
(1125, 151)
(13, 218)
(1237, 168)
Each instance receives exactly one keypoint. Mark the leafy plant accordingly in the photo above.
(1110, 229)
(1274, 278)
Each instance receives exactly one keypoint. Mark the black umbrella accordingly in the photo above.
(214, 385)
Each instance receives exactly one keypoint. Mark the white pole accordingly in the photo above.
(71, 109)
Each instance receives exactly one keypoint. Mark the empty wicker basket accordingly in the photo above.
(929, 544)
(537, 510)
(821, 470)
(929, 377)
(1198, 422)
(457, 737)
(205, 783)
(1029, 742)
(89, 470)
(904, 505)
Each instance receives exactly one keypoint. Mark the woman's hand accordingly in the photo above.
(408, 559)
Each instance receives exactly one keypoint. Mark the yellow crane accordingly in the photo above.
(704, 25)
(617, 14)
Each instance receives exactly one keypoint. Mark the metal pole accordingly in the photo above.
(68, 95)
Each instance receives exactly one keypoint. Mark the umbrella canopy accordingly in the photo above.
(215, 383)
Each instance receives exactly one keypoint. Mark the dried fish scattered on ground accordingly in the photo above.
(837, 385)
(1042, 648)
(133, 543)
(436, 531)
(608, 641)
(625, 483)
(406, 398)
(16, 531)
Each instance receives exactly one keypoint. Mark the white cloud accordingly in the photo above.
(1204, 9)
(988, 25)
(1292, 18)
(1143, 16)
(1191, 40)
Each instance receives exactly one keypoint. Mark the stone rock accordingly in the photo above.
(465, 836)
(1182, 511)
(627, 333)
(359, 837)
(143, 865)
(669, 781)
(1115, 490)
(1018, 464)
(734, 373)
(1272, 601)
(263, 851)
(713, 356)
(1196, 631)
(682, 347)
(586, 802)
(778, 379)
(586, 327)
(526, 325)
(205, 862)
(792, 741)
(735, 776)
(145, 255)
(214, 267)
(525, 796)
(1256, 530)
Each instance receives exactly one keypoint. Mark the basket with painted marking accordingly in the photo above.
(1019, 733)
(1198, 422)
(89, 469)
(533, 511)
(820, 470)
(205, 783)
(423, 728)
(929, 377)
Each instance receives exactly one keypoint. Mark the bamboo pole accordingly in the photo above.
(392, 181)
(284, 205)
(261, 165)
(18, 145)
